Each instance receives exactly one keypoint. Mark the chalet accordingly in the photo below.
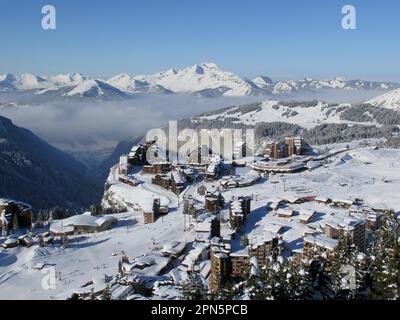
(162, 180)
(285, 213)
(274, 205)
(10, 243)
(342, 203)
(46, 238)
(25, 241)
(293, 199)
(213, 170)
(82, 224)
(157, 168)
(177, 182)
(306, 216)
(323, 200)
(13, 211)
(129, 181)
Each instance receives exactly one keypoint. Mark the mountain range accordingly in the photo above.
(205, 79)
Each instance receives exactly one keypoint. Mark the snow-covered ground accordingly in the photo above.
(273, 110)
(366, 173)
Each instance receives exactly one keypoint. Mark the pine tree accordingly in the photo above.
(106, 293)
(65, 241)
(342, 268)
(120, 270)
(385, 262)
(193, 288)
(15, 226)
(319, 279)
(92, 296)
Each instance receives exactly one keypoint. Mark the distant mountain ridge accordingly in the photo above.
(206, 79)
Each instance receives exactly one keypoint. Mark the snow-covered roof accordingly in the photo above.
(11, 241)
(285, 212)
(148, 265)
(67, 225)
(322, 199)
(177, 176)
(174, 247)
(272, 227)
(148, 205)
(261, 238)
(311, 165)
(291, 198)
(5, 201)
(322, 241)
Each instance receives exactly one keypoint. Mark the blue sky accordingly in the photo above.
(282, 39)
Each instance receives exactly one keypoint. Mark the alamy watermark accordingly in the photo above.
(204, 144)
(49, 20)
(349, 20)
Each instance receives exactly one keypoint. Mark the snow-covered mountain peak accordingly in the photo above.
(24, 81)
(67, 79)
(199, 78)
(94, 88)
(262, 81)
(122, 81)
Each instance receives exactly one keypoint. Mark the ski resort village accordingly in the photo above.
(166, 228)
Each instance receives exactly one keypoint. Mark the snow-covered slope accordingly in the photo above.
(199, 77)
(39, 174)
(262, 82)
(389, 100)
(94, 88)
(305, 115)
